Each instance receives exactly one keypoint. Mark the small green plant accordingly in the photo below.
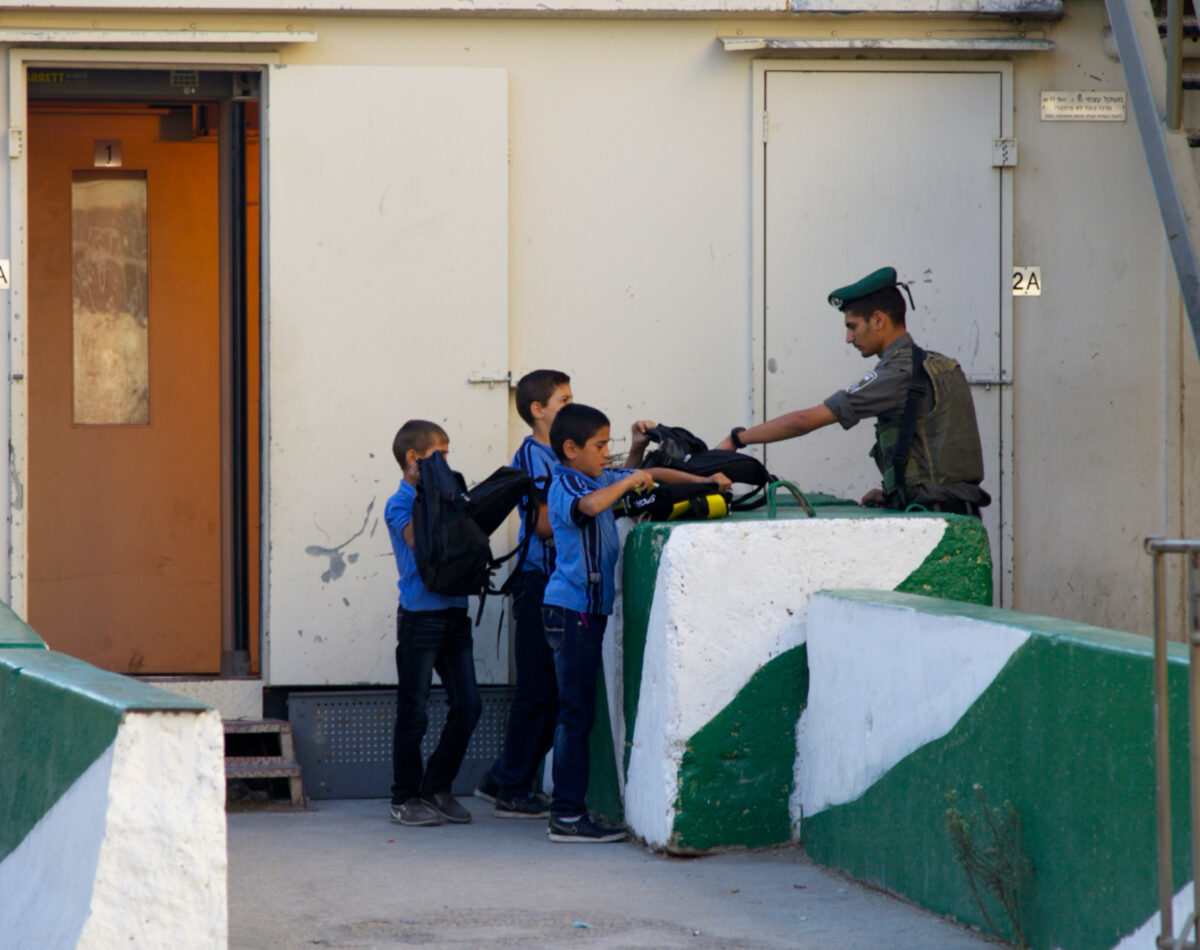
(987, 843)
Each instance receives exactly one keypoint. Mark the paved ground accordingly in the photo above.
(341, 876)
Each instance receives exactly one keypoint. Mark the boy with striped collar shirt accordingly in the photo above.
(579, 595)
(508, 784)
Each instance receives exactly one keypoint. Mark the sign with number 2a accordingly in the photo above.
(1027, 282)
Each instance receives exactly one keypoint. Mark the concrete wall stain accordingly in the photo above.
(338, 562)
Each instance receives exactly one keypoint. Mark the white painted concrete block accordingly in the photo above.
(133, 854)
(883, 681)
(729, 598)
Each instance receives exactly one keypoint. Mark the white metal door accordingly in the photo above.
(387, 235)
(862, 169)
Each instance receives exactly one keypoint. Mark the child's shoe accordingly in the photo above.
(521, 806)
(414, 813)
(586, 829)
(487, 789)
(446, 807)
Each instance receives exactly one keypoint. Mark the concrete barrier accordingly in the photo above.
(912, 698)
(709, 675)
(112, 796)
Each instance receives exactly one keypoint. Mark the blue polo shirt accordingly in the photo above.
(413, 595)
(587, 548)
(539, 461)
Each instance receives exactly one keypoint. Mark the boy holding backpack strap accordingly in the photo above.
(579, 596)
(433, 632)
(508, 784)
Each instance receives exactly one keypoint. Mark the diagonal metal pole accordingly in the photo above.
(1171, 204)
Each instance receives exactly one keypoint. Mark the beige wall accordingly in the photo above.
(629, 244)
(630, 267)
(1101, 445)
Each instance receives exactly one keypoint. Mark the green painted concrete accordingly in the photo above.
(1065, 733)
(959, 568)
(736, 775)
(57, 716)
(14, 632)
(604, 790)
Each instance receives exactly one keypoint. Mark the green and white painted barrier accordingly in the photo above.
(709, 675)
(112, 807)
(912, 698)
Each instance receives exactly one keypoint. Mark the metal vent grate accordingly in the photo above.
(344, 739)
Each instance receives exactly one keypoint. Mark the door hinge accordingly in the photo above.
(490, 379)
(1004, 153)
(16, 139)
(766, 126)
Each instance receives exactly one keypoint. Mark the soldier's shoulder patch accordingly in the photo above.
(864, 382)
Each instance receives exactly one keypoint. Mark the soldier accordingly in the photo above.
(926, 438)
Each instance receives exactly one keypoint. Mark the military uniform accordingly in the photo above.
(945, 462)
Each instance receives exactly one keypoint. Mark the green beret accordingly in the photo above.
(873, 282)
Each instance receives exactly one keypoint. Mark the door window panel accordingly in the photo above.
(110, 313)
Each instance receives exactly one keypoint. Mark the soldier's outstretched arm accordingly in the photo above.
(787, 426)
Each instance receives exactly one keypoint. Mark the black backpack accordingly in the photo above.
(675, 445)
(678, 448)
(451, 527)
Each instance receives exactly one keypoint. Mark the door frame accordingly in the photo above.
(20, 59)
(759, 135)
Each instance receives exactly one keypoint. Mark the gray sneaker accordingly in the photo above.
(415, 813)
(487, 789)
(587, 829)
(446, 807)
(521, 806)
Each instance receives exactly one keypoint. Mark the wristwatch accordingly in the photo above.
(735, 437)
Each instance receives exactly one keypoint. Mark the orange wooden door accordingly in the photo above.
(124, 490)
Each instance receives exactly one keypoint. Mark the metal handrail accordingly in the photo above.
(1138, 46)
(1157, 547)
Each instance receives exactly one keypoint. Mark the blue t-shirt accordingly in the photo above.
(413, 594)
(585, 567)
(539, 461)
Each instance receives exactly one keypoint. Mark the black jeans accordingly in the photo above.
(428, 640)
(534, 711)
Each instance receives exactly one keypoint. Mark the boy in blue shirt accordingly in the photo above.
(534, 711)
(579, 595)
(432, 633)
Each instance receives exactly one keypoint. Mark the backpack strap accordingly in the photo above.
(920, 385)
(754, 498)
(530, 518)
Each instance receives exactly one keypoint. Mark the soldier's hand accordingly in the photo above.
(873, 499)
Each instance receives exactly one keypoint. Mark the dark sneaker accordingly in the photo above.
(416, 813)
(521, 806)
(447, 808)
(586, 830)
(487, 789)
